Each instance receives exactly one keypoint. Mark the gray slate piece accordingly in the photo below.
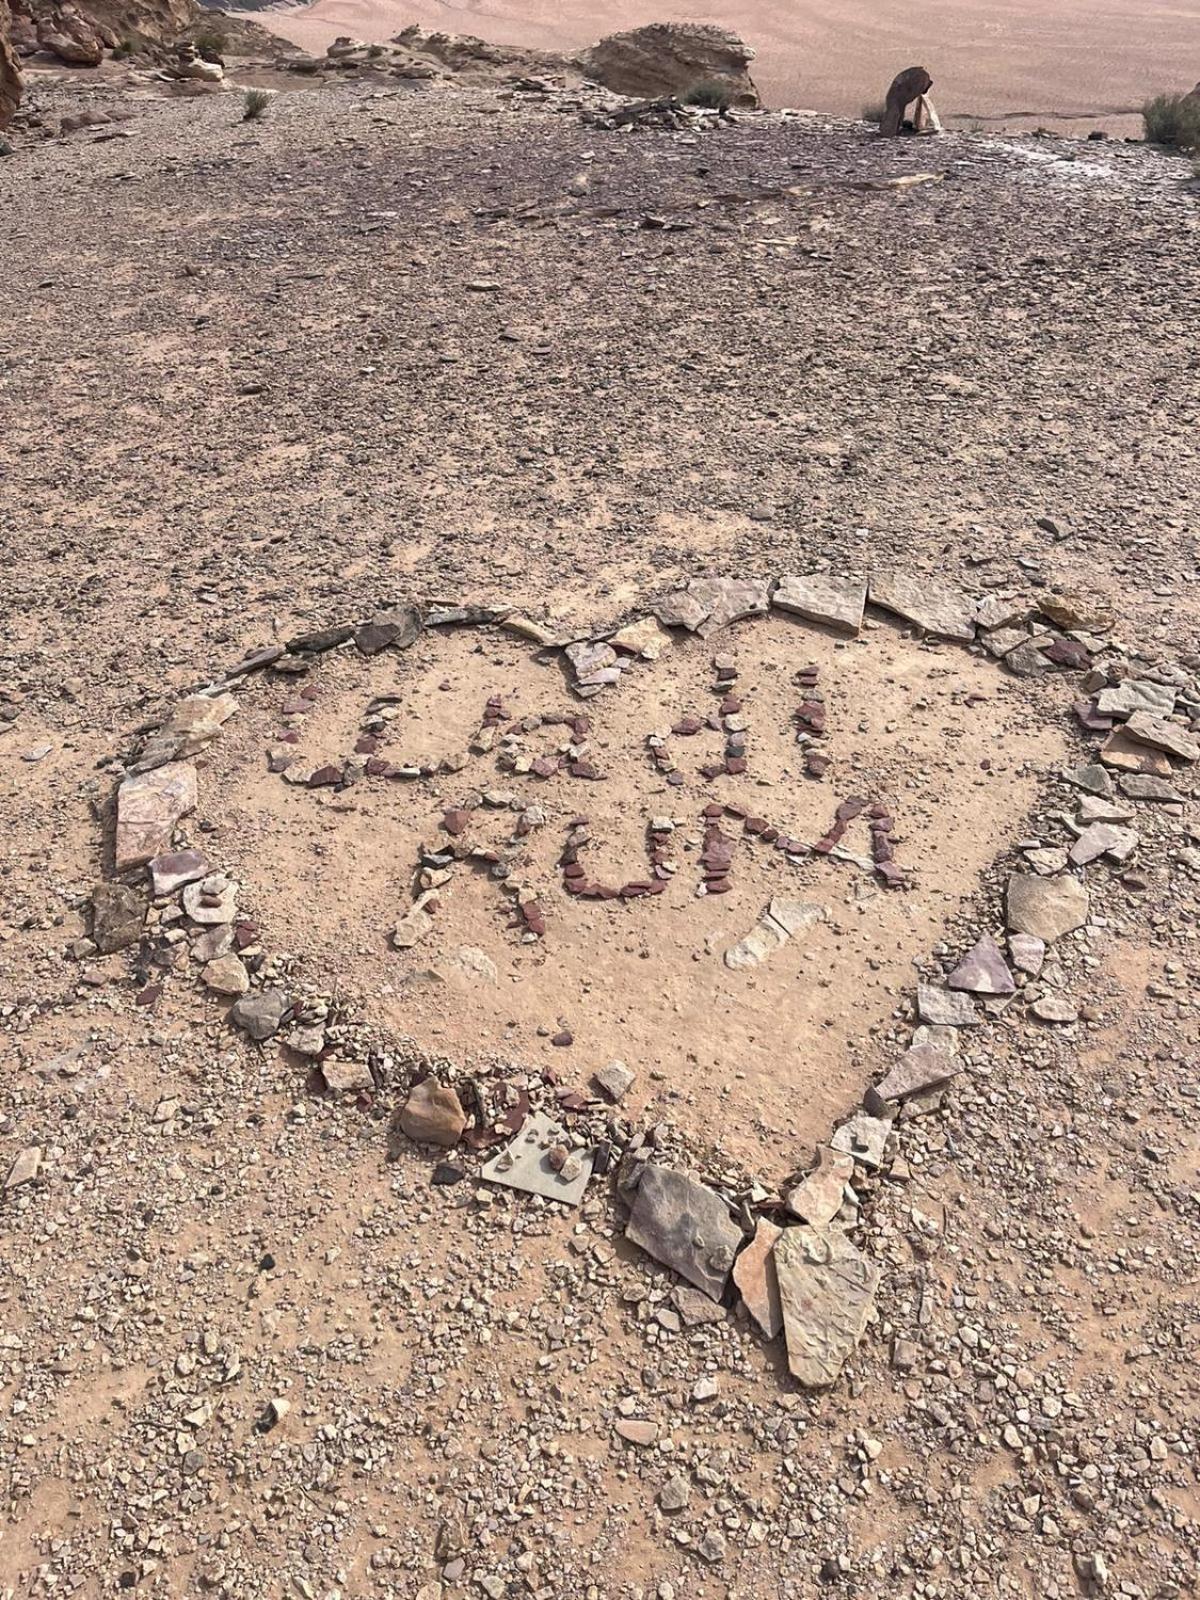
(686, 1226)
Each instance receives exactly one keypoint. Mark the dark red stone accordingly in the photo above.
(675, 779)
(544, 767)
(295, 707)
(584, 769)
(730, 706)
(574, 870)
(719, 886)
(713, 810)
(815, 764)
(686, 726)
(1090, 719)
(756, 825)
(563, 1039)
(366, 745)
(377, 767)
(1066, 653)
(289, 737)
(575, 885)
(325, 777)
(456, 820)
(735, 766)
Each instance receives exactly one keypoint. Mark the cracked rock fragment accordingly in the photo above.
(686, 1226)
(826, 1290)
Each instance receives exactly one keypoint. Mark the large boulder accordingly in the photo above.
(71, 37)
(671, 58)
(10, 77)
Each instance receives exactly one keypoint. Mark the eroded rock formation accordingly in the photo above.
(672, 58)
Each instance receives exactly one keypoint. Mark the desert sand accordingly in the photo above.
(1019, 64)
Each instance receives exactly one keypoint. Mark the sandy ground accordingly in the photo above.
(248, 1346)
(1069, 65)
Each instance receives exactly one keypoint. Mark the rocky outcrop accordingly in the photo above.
(10, 77)
(80, 33)
(672, 58)
(462, 53)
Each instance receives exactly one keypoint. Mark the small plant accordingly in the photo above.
(255, 104)
(375, 51)
(210, 43)
(1173, 120)
(124, 47)
(709, 94)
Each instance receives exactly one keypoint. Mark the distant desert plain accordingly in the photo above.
(1069, 65)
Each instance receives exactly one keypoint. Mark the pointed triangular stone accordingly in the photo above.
(983, 970)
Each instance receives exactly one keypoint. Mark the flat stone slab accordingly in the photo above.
(347, 1077)
(1162, 735)
(1027, 953)
(175, 869)
(983, 970)
(686, 1226)
(1093, 779)
(1127, 754)
(646, 638)
(1136, 694)
(826, 1288)
(945, 1008)
(1046, 908)
(754, 1274)
(819, 1196)
(706, 604)
(211, 901)
(864, 1137)
(615, 1081)
(836, 602)
(1144, 786)
(921, 1067)
(1055, 1008)
(933, 606)
(525, 1164)
(149, 807)
(415, 925)
(781, 920)
(1092, 808)
(1103, 839)
(25, 1166)
(192, 724)
(397, 629)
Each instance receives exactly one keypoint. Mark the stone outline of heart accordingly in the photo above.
(829, 1264)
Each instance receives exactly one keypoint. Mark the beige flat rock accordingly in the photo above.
(826, 1288)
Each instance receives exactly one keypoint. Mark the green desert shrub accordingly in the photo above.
(710, 94)
(1173, 119)
(255, 104)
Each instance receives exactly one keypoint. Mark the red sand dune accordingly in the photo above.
(1021, 62)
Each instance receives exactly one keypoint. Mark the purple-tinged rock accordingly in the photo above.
(983, 970)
